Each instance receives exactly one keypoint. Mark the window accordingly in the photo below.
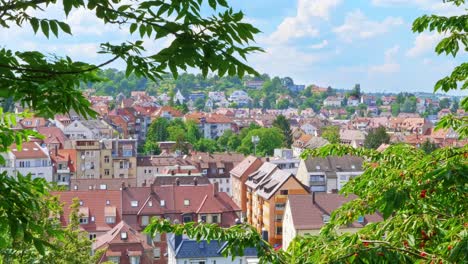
(91, 166)
(227, 189)
(127, 153)
(214, 219)
(157, 237)
(106, 159)
(150, 203)
(279, 230)
(92, 236)
(144, 220)
(187, 218)
(280, 206)
(284, 192)
(106, 172)
(92, 219)
(205, 171)
(221, 189)
(134, 203)
(121, 164)
(326, 218)
(163, 203)
(110, 219)
(81, 203)
(114, 259)
(103, 187)
(361, 219)
(203, 218)
(186, 202)
(135, 260)
(279, 218)
(221, 171)
(316, 178)
(156, 252)
(83, 220)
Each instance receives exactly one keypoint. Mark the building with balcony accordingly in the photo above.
(267, 192)
(239, 175)
(328, 174)
(31, 159)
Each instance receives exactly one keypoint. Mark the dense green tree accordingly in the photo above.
(224, 139)
(409, 105)
(395, 107)
(283, 104)
(283, 124)
(157, 131)
(444, 103)
(269, 139)
(206, 145)
(428, 147)
(376, 137)
(331, 133)
(193, 131)
(199, 104)
(151, 147)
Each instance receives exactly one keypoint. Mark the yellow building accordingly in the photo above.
(267, 192)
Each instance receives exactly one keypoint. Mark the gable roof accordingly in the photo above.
(189, 248)
(239, 170)
(29, 150)
(332, 164)
(306, 214)
(256, 178)
(113, 237)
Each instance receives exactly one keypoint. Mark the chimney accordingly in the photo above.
(267, 159)
(215, 188)
(56, 150)
(144, 183)
(123, 185)
(177, 181)
(264, 234)
(189, 172)
(195, 181)
(313, 197)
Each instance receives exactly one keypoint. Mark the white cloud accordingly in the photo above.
(435, 6)
(390, 65)
(302, 24)
(424, 43)
(358, 26)
(320, 45)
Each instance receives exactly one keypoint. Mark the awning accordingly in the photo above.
(110, 211)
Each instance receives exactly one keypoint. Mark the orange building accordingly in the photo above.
(267, 192)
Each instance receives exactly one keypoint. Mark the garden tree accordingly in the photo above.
(193, 131)
(376, 137)
(283, 124)
(151, 147)
(206, 145)
(49, 84)
(157, 131)
(428, 147)
(331, 133)
(200, 104)
(421, 197)
(409, 105)
(282, 104)
(270, 138)
(455, 105)
(395, 107)
(379, 102)
(181, 145)
(234, 142)
(223, 140)
(330, 91)
(176, 132)
(444, 103)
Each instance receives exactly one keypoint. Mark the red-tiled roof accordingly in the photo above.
(113, 237)
(241, 168)
(95, 201)
(29, 150)
(52, 135)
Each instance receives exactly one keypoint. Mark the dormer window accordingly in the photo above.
(325, 218)
(81, 203)
(163, 203)
(353, 166)
(134, 203)
(361, 219)
(150, 203)
(186, 202)
(123, 235)
(107, 202)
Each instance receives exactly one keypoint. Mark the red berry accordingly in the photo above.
(423, 194)
(449, 247)
(366, 244)
(356, 254)
(422, 244)
(405, 243)
(423, 254)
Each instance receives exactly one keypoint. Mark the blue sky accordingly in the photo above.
(326, 42)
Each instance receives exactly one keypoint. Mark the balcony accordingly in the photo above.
(63, 170)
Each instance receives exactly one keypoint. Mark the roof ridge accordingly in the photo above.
(202, 203)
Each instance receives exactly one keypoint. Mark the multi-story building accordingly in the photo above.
(211, 126)
(267, 192)
(239, 175)
(31, 159)
(328, 174)
(111, 158)
(64, 165)
(151, 167)
(176, 202)
(216, 166)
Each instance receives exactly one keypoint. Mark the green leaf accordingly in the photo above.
(34, 23)
(67, 6)
(64, 27)
(54, 27)
(133, 27)
(45, 28)
(142, 30)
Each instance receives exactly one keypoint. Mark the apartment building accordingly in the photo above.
(267, 192)
(239, 175)
(328, 174)
(31, 159)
